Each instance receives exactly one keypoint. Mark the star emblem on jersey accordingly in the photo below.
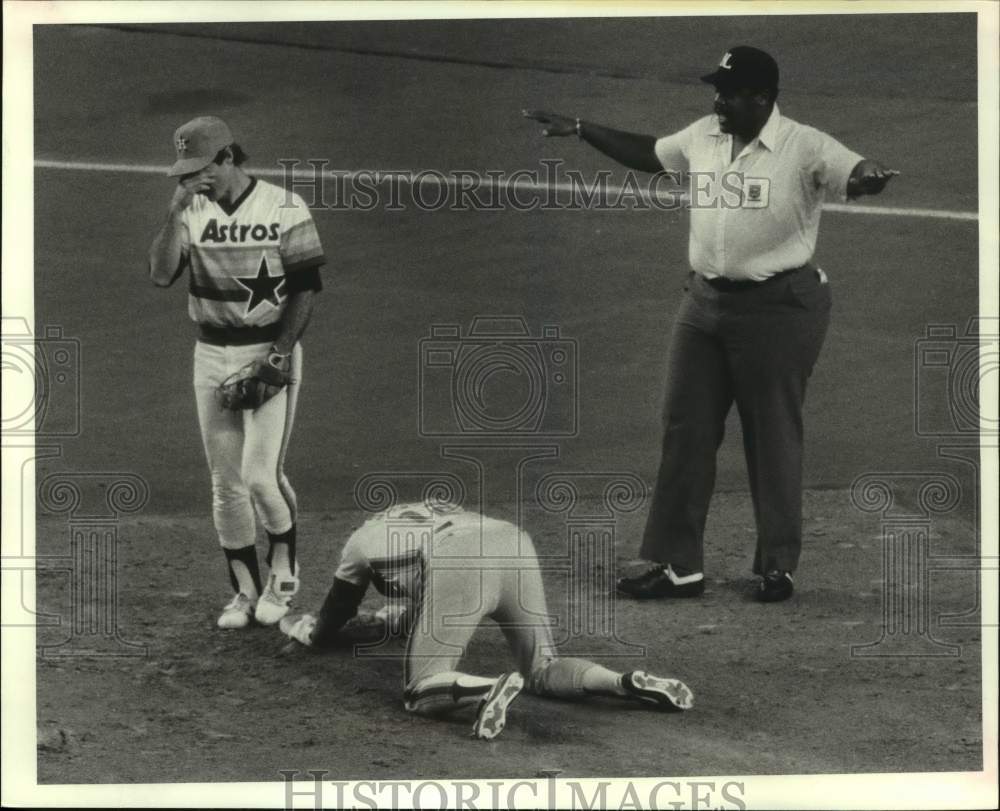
(182, 144)
(263, 287)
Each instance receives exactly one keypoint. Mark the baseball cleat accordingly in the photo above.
(667, 694)
(492, 716)
(298, 627)
(775, 587)
(237, 612)
(276, 600)
(659, 582)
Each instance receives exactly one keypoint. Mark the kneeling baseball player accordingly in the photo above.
(449, 569)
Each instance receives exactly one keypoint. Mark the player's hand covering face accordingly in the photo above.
(202, 182)
(190, 185)
(212, 181)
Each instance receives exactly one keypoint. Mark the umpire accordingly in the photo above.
(752, 319)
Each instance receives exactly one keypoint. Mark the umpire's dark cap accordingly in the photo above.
(743, 67)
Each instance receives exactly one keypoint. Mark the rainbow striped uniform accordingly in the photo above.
(248, 255)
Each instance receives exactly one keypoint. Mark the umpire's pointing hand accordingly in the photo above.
(557, 124)
(873, 182)
(869, 177)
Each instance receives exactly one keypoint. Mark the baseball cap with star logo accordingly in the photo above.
(198, 142)
(745, 67)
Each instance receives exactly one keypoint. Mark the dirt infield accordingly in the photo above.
(778, 690)
(776, 686)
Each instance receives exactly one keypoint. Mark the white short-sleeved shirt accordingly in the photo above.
(759, 214)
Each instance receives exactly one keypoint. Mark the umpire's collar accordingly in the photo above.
(768, 135)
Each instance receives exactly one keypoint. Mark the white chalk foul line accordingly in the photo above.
(442, 179)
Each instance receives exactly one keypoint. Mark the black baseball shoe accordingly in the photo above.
(660, 582)
(775, 587)
(669, 695)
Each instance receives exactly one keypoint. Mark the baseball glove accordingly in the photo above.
(255, 383)
(368, 627)
(363, 628)
(397, 619)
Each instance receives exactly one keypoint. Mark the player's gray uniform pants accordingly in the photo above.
(504, 585)
(245, 449)
(757, 347)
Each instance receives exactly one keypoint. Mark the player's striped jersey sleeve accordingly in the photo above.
(300, 245)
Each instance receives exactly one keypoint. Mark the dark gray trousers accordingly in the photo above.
(755, 347)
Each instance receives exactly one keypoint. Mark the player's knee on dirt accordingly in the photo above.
(443, 692)
(559, 677)
(431, 695)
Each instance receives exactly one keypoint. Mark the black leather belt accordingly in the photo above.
(725, 285)
(238, 336)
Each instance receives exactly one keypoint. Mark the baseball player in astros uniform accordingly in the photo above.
(253, 257)
(451, 569)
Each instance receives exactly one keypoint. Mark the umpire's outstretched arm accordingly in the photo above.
(628, 148)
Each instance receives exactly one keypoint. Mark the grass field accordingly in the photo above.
(778, 690)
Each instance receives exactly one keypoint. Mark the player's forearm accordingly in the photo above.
(295, 319)
(166, 252)
(340, 605)
(628, 148)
